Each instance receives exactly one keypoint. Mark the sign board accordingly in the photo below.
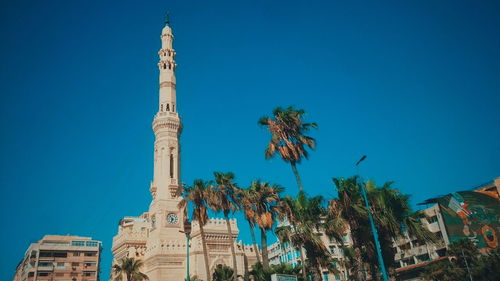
(472, 215)
(283, 277)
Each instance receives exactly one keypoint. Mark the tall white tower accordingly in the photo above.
(155, 236)
(166, 249)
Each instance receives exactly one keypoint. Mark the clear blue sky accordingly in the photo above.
(415, 85)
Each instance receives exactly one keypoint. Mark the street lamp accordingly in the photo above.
(187, 231)
(374, 228)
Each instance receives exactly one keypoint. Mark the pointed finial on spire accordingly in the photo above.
(167, 19)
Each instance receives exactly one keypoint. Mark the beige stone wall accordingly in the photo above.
(133, 234)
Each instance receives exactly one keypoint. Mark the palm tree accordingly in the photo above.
(225, 199)
(130, 268)
(265, 199)
(392, 214)
(198, 195)
(223, 273)
(302, 231)
(247, 199)
(259, 273)
(287, 137)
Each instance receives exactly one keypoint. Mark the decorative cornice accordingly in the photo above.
(167, 84)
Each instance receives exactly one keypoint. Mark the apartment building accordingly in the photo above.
(471, 214)
(285, 253)
(61, 258)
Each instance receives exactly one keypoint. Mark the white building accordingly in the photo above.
(285, 253)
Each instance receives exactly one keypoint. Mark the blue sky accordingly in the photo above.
(412, 84)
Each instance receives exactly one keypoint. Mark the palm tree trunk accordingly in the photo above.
(263, 238)
(303, 261)
(317, 272)
(252, 233)
(297, 176)
(205, 252)
(233, 252)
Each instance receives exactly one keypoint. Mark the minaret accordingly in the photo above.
(166, 124)
(165, 255)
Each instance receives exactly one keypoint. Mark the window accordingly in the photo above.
(41, 273)
(45, 254)
(344, 238)
(76, 254)
(90, 254)
(161, 107)
(424, 257)
(91, 244)
(44, 263)
(77, 243)
(90, 263)
(168, 107)
(171, 165)
(60, 254)
(332, 249)
(60, 265)
(89, 273)
(433, 219)
(31, 274)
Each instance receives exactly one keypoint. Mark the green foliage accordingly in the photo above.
(304, 213)
(391, 212)
(288, 137)
(222, 273)
(287, 134)
(130, 268)
(260, 273)
(464, 253)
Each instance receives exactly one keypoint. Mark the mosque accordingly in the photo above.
(156, 236)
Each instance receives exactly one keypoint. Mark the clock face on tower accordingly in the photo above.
(172, 218)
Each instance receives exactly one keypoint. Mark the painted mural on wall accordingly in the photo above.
(473, 215)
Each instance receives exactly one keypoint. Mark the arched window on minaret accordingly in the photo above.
(164, 66)
(168, 108)
(161, 107)
(171, 165)
(173, 107)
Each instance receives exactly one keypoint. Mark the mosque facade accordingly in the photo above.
(156, 236)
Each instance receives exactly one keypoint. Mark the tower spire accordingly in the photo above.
(167, 19)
